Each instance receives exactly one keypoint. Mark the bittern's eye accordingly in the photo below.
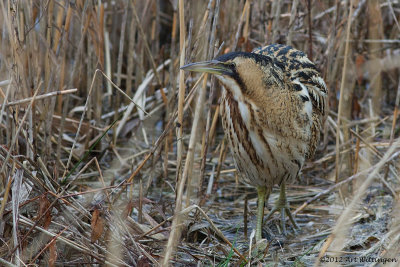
(232, 65)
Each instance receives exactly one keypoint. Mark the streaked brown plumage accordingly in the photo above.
(272, 107)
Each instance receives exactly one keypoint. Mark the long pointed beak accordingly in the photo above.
(212, 66)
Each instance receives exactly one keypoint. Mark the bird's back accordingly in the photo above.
(303, 75)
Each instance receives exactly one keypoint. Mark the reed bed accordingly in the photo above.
(112, 155)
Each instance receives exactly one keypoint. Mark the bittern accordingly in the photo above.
(272, 105)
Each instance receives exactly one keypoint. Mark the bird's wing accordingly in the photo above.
(298, 68)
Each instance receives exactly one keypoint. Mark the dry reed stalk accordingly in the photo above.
(214, 16)
(107, 63)
(392, 131)
(356, 155)
(130, 67)
(188, 168)
(121, 49)
(375, 32)
(246, 7)
(246, 30)
(310, 34)
(276, 13)
(15, 137)
(51, 77)
(221, 159)
(207, 51)
(63, 105)
(131, 54)
(293, 14)
(180, 181)
(205, 142)
(3, 106)
(51, 94)
(16, 75)
(349, 83)
(205, 22)
(98, 40)
(101, 20)
(17, 183)
(172, 88)
(146, 45)
(49, 35)
(59, 19)
(61, 31)
(342, 93)
(214, 123)
(101, 178)
(90, 89)
(375, 94)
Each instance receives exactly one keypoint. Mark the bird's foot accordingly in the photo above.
(283, 210)
(282, 206)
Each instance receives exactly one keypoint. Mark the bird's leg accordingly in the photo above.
(261, 191)
(282, 205)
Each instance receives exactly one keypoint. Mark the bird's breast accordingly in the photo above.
(262, 156)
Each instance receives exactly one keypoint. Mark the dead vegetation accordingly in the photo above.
(110, 155)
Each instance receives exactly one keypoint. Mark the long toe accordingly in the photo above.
(274, 209)
(284, 211)
(291, 218)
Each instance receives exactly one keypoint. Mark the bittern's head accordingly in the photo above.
(243, 74)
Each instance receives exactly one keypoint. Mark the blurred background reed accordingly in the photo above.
(109, 154)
